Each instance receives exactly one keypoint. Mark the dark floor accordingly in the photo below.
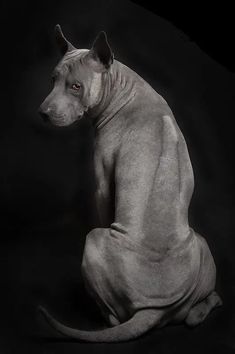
(46, 175)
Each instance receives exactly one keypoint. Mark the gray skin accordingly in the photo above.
(143, 265)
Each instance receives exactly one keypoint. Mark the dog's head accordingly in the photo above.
(77, 80)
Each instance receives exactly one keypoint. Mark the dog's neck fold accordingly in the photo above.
(118, 90)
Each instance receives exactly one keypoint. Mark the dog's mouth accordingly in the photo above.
(60, 121)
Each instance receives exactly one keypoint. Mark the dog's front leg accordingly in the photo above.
(104, 205)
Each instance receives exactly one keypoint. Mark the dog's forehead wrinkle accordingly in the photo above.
(74, 55)
(61, 69)
(71, 62)
(56, 72)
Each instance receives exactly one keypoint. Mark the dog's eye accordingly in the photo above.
(76, 86)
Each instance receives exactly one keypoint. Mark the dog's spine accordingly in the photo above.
(141, 322)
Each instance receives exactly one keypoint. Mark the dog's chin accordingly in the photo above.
(63, 123)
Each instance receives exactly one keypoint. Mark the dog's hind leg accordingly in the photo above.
(199, 312)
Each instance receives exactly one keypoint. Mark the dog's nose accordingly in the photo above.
(44, 113)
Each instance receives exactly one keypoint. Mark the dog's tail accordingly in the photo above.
(141, 322)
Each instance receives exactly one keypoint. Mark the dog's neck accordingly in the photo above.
(118, 89)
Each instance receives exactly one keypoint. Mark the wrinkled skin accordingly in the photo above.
(144, 265)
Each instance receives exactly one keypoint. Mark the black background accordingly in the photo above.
(46, 175)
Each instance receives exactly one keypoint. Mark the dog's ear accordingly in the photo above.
(63, 44)
(101, 54)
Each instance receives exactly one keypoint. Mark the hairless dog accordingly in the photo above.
(144, 266)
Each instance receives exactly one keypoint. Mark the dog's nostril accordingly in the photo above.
(45, 117)
(43, 114)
